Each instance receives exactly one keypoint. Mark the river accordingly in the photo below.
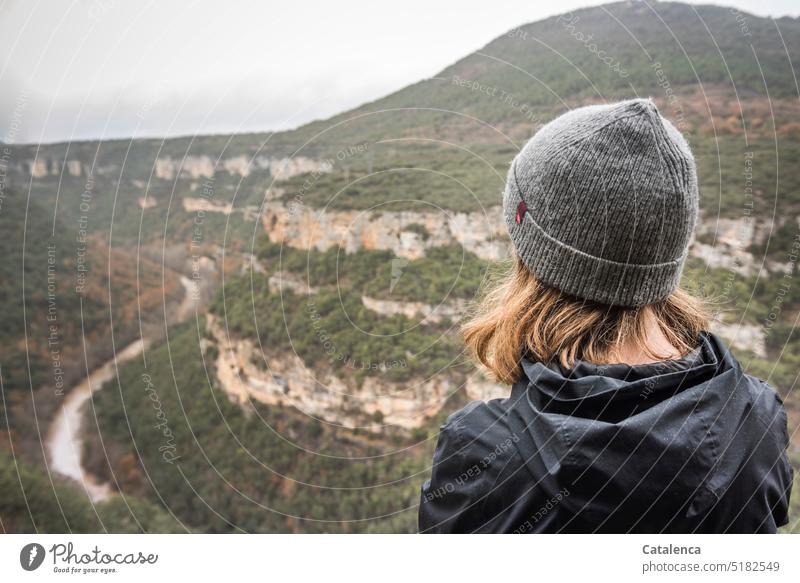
(64, 442)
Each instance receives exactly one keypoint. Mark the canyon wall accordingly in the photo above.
(483, 233)
(406, 233)
(169, 168)
(245, 373)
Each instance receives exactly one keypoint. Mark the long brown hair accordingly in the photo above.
(521, 316)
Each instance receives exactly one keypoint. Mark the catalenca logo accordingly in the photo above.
(31, 556)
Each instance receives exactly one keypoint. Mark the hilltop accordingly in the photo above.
(724, 77)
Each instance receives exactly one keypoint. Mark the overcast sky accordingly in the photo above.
(111, 68)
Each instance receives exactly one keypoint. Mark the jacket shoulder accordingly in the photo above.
(767, 402)
(474, 450)
(480, 425)
(753, 468)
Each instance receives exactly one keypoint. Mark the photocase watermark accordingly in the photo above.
(785, 286)
(168, 449)
(69, 561)
(95, 560)
(20, 105)
(738, 259)
(548, 507)
(6, 151)
(207, 193)
(568, 22)
(495, 92)
(473, 471)
(517, 33)
(649, 387)
(82, 237)
(31, 556)
(382, 365)
(5, 158)
(659, 368)
(298, 200)
(678, 115)
(741, 20)
(329, 346)
(397, 267)
(53, 336)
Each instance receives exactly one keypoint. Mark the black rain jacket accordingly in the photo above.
(690, 445)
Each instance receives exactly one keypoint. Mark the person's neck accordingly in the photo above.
(633, 352)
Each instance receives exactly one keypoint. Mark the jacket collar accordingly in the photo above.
(586, 380)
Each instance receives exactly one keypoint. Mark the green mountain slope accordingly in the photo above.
(700, 63)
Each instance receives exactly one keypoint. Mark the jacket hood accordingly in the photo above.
(633, 440)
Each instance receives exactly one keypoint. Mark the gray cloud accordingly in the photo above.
(108, 68)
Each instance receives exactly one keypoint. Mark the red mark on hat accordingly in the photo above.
(522, 208)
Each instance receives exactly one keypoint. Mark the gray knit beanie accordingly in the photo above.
(601, 203)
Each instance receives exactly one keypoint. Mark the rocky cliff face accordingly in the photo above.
(169, 168)
(482, 233)
(299, 226)
(41, 167)
(205, 166)
(419, 311)
(732, 240)
(285, 380)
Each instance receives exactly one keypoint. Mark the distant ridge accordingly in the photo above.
(643, 48)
